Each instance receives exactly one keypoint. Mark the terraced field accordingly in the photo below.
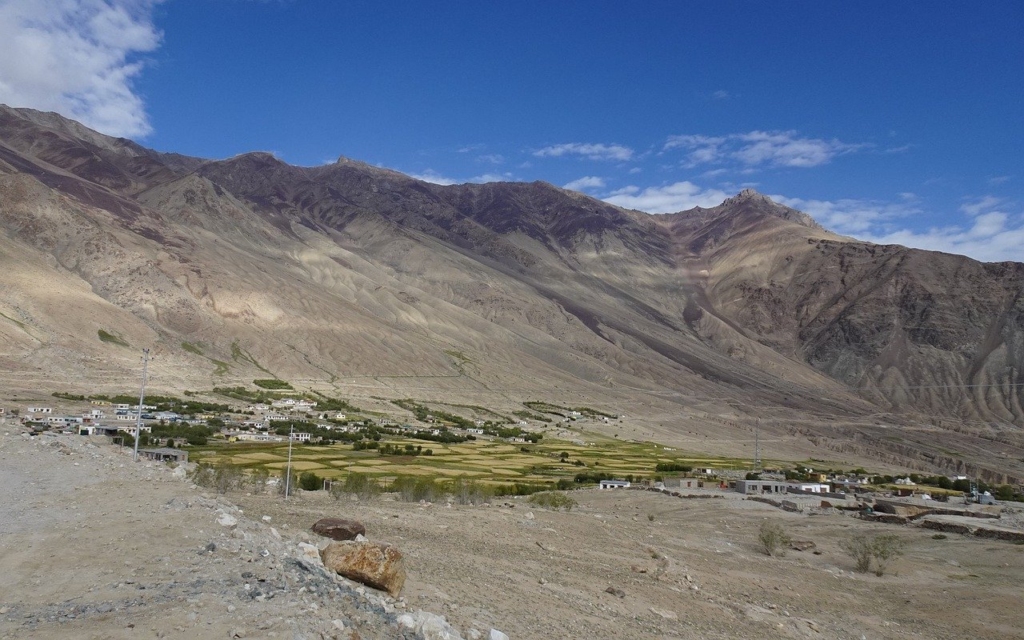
(488, 461)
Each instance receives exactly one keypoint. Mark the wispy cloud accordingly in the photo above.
(436, 178)
(433, 177)
(586, 182)
(491, 158)
(998, 180)
(592, 151)
(989, 232)
(759, 148)
(78, 58)
(721, 94)
(493, 177)
(669, 198)
(856, 217)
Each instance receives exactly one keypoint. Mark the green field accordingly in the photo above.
(490, 462)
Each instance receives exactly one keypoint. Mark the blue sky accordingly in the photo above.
(891, 122)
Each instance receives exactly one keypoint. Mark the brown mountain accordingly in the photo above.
(373, 284)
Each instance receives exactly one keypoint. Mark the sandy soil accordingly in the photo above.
(694, 571)
(95, 546)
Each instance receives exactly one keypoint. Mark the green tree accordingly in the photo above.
(309, 481)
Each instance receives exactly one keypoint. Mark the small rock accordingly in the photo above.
(615, 591)
(227, 520)
(266, 518)
(339, 528)
(801, 545)
(339, 625)
(668, 615)
(309, 551)
(497, 635)
(237, 632)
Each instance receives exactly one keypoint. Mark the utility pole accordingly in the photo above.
(757, 445)
(288, 469)
(142, 394)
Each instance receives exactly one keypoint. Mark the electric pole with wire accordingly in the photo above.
(142, 395)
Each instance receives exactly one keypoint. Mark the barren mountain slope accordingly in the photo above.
(366, 281)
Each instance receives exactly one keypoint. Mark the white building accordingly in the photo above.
(613, 484)
(130, 429)
(41, 410)
(301, 436)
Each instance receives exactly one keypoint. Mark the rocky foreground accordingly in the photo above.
(93, 545)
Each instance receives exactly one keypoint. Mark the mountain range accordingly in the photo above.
(696, 327)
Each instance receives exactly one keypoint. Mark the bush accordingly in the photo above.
(356, 484)
(882, 549)
(466, 491)
(286, 487)
(412, 489)
(885, 548)
(859, 548)
(309, 481)
(221, 478)
(202, 475)
(553, 500)
(773, 538)
(258, 479)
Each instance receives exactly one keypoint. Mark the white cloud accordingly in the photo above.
(666, 199)
(983, 204)
(998, 180)
(78, 58)
(586, 182)
(721, 94)
(492, 177)
(987, 233)
(433, 177)
(492, 158)
(757, 148)
(592, 151)
(850, 216)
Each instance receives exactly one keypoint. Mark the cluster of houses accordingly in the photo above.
(96, 421)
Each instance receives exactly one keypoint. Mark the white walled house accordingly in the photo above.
(39, 410)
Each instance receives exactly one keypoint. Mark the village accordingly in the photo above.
(169, 428)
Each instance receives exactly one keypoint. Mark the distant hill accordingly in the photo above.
(364, 280)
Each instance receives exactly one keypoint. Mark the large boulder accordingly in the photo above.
(374, 564)
(339, 528)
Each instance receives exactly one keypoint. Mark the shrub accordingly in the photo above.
(773, 538)
(412, 489)
(309, 481)
(221, 478)
(202, 475)
(227, 477)
(859, 548)
(258, 479)
(939, 536)
(882, 549)
(466, 491)
(356, 484)
(285, 485)
(553, 500)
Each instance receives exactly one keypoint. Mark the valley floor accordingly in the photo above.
(93, 545)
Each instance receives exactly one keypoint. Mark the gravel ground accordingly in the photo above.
(93, 545)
